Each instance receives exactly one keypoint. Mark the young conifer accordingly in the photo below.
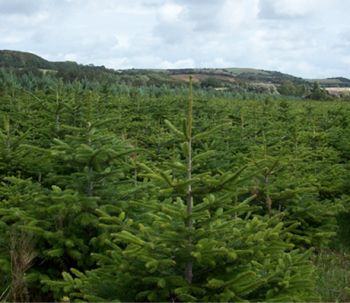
(188, 239)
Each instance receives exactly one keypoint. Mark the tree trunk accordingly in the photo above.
(189, 195)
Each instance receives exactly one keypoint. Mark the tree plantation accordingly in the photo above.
(164, 194)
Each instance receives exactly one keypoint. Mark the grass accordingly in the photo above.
(333, 276)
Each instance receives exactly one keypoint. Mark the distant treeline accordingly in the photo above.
(153, 84)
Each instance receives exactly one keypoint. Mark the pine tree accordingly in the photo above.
(289, 181)
(56, 208)
(189, 239)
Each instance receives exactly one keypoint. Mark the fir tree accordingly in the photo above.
(189, 239)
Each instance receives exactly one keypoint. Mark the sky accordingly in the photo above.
(306, 38)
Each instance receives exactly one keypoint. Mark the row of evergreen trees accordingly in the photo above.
(200, 200)
(150, 84)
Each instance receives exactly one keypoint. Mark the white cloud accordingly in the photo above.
(70, 57)
(239, 12)
(122, 43)
(306, 38)
(187, 63)
(170, 12)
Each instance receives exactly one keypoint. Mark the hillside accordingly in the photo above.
(333, 82)
(223, 75)
(250, 79)
(16, 59)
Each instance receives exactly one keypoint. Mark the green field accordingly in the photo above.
(131, 194)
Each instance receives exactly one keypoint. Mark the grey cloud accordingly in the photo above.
(204, 14)
(20, 7)
(342, 43)
(267, 10)
(171, 33)
(199, 17)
